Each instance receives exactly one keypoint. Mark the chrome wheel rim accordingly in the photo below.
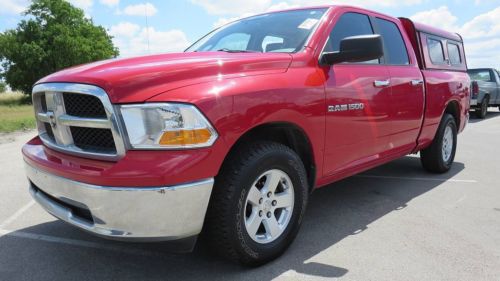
(269, 206)
(447, 143)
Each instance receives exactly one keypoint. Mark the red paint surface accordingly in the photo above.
(238, 92)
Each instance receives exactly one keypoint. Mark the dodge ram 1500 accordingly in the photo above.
(232, 135)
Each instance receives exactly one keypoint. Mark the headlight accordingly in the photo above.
(166, 125)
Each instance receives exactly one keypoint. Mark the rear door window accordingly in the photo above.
(393, 43)
(436, 51)
(454, 54)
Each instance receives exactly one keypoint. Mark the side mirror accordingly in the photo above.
(356, 49)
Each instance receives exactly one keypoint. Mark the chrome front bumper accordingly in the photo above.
(124, 213)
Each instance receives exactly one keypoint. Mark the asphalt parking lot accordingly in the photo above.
(395, 222)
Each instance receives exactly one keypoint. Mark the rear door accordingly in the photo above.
(358, 96)
(407, 85)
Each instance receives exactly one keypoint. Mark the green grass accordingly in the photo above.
(15, 113)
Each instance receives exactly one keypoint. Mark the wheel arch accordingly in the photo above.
(286, 133)
(453, 108)
(485, 95)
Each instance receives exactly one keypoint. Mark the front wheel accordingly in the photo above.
(439, 156)
(258, 202)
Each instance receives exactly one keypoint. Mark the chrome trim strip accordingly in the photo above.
(68, 120)
(381, 83)
(42, 117)
(74, 150)
(125, 213)
(63, 140)
(417, 82)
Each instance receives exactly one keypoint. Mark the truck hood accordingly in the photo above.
(140, 78)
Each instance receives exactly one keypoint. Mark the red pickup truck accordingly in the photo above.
(232, 135)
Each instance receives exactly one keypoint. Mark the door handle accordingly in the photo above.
(417, 82)
(381, 83)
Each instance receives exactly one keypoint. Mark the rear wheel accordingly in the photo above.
(439, 156)
(258, 202)
(483, 110)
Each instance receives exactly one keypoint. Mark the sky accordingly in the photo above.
(172, 25)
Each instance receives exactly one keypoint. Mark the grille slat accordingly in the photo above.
(83, 105)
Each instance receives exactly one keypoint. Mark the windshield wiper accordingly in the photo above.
(236, 51)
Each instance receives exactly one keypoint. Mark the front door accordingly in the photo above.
(358, 97)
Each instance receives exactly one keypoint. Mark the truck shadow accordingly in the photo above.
(490, 115)
(341, 210)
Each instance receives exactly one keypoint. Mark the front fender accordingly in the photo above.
(235, 106)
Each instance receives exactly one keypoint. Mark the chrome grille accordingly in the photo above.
(78, 119)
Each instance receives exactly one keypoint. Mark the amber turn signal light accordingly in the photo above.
(185, 137)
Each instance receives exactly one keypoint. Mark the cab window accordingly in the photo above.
(349, 24)
(436, 52)
(454, 54)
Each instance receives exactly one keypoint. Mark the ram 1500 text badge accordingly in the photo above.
(232, 135)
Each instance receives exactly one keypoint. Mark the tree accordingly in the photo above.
(55, 36)
(3, 87)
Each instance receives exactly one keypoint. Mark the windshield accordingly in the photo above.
(282, 32)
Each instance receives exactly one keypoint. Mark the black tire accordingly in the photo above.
(433, 158)
(482, 111)
(225, 224)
